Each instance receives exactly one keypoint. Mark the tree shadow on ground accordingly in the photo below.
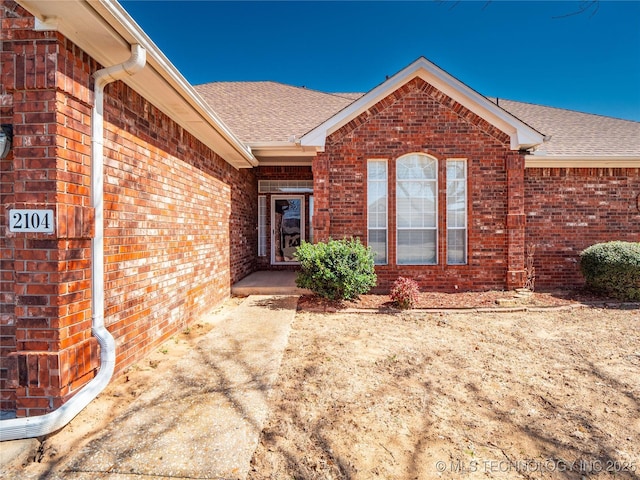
(492, 394)
(201, 420)
(274, 303)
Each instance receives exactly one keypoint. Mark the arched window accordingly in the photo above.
(416, 209)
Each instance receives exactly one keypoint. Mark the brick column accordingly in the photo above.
(516, 222)
(7, 281)
(321, 216)
(46, 288)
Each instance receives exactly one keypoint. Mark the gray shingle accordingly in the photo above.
(271, 111)
(259, 112)
(575, 133)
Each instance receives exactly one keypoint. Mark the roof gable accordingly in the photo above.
(522, 135)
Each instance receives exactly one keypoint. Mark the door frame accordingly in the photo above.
(273, 225)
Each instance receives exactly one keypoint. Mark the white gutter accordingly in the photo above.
(105, 31)
(29, 427)
(159, 62)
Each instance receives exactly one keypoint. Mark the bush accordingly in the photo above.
(613, 268)
(404, 293)
(338, 269)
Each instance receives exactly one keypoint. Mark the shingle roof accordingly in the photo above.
(259, 112)
(271, 111)
(575, 134)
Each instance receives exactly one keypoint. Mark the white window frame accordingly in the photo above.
(435, 228)
(386, 195)
(464, 181)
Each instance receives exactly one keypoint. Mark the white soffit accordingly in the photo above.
(522, 136)
(105, 31)
(281, 149)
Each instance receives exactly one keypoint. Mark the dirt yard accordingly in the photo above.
(552, 394)
(417, 395)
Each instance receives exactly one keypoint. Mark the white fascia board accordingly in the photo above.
(283, 153)
(105, 31)
(281, 149)
(566, 161)
(522, 135)
(176, 80)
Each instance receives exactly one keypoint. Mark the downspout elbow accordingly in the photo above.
(133, 65)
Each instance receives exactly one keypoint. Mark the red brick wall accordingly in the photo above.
(419, 118)
(7, 264)
(174, 209)
(569, 209)
(38, 314)
(179, 221)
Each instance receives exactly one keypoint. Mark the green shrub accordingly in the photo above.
(338, 269)
(613, 268)
(404, 293)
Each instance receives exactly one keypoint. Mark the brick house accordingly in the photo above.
(449, 187)
(161, 195)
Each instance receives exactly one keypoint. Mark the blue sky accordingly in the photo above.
(528, 51)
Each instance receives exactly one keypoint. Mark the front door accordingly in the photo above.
(287, 227)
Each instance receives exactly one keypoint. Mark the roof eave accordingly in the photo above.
(282, 153)
(105, 31)
(522, 136)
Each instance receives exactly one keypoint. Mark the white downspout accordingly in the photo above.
(29, 427)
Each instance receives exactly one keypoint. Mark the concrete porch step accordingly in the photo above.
(268, 283)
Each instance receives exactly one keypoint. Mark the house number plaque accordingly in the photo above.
(31, 221)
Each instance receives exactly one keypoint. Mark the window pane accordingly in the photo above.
(416, 204)
(377, 170)
(455, 169)
(378, 243)
(377, 204)
(416, 209)
(417, 189)
(416, 167)
(403, 207)
(377, 220)
(456, 188)
(381, 220)
(456, 220)
(456, 247)
(416, 247)
(377, 209)
(456, 212)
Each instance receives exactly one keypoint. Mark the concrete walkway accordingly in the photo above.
(206, 420)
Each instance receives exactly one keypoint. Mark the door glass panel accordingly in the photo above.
(287, 228)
